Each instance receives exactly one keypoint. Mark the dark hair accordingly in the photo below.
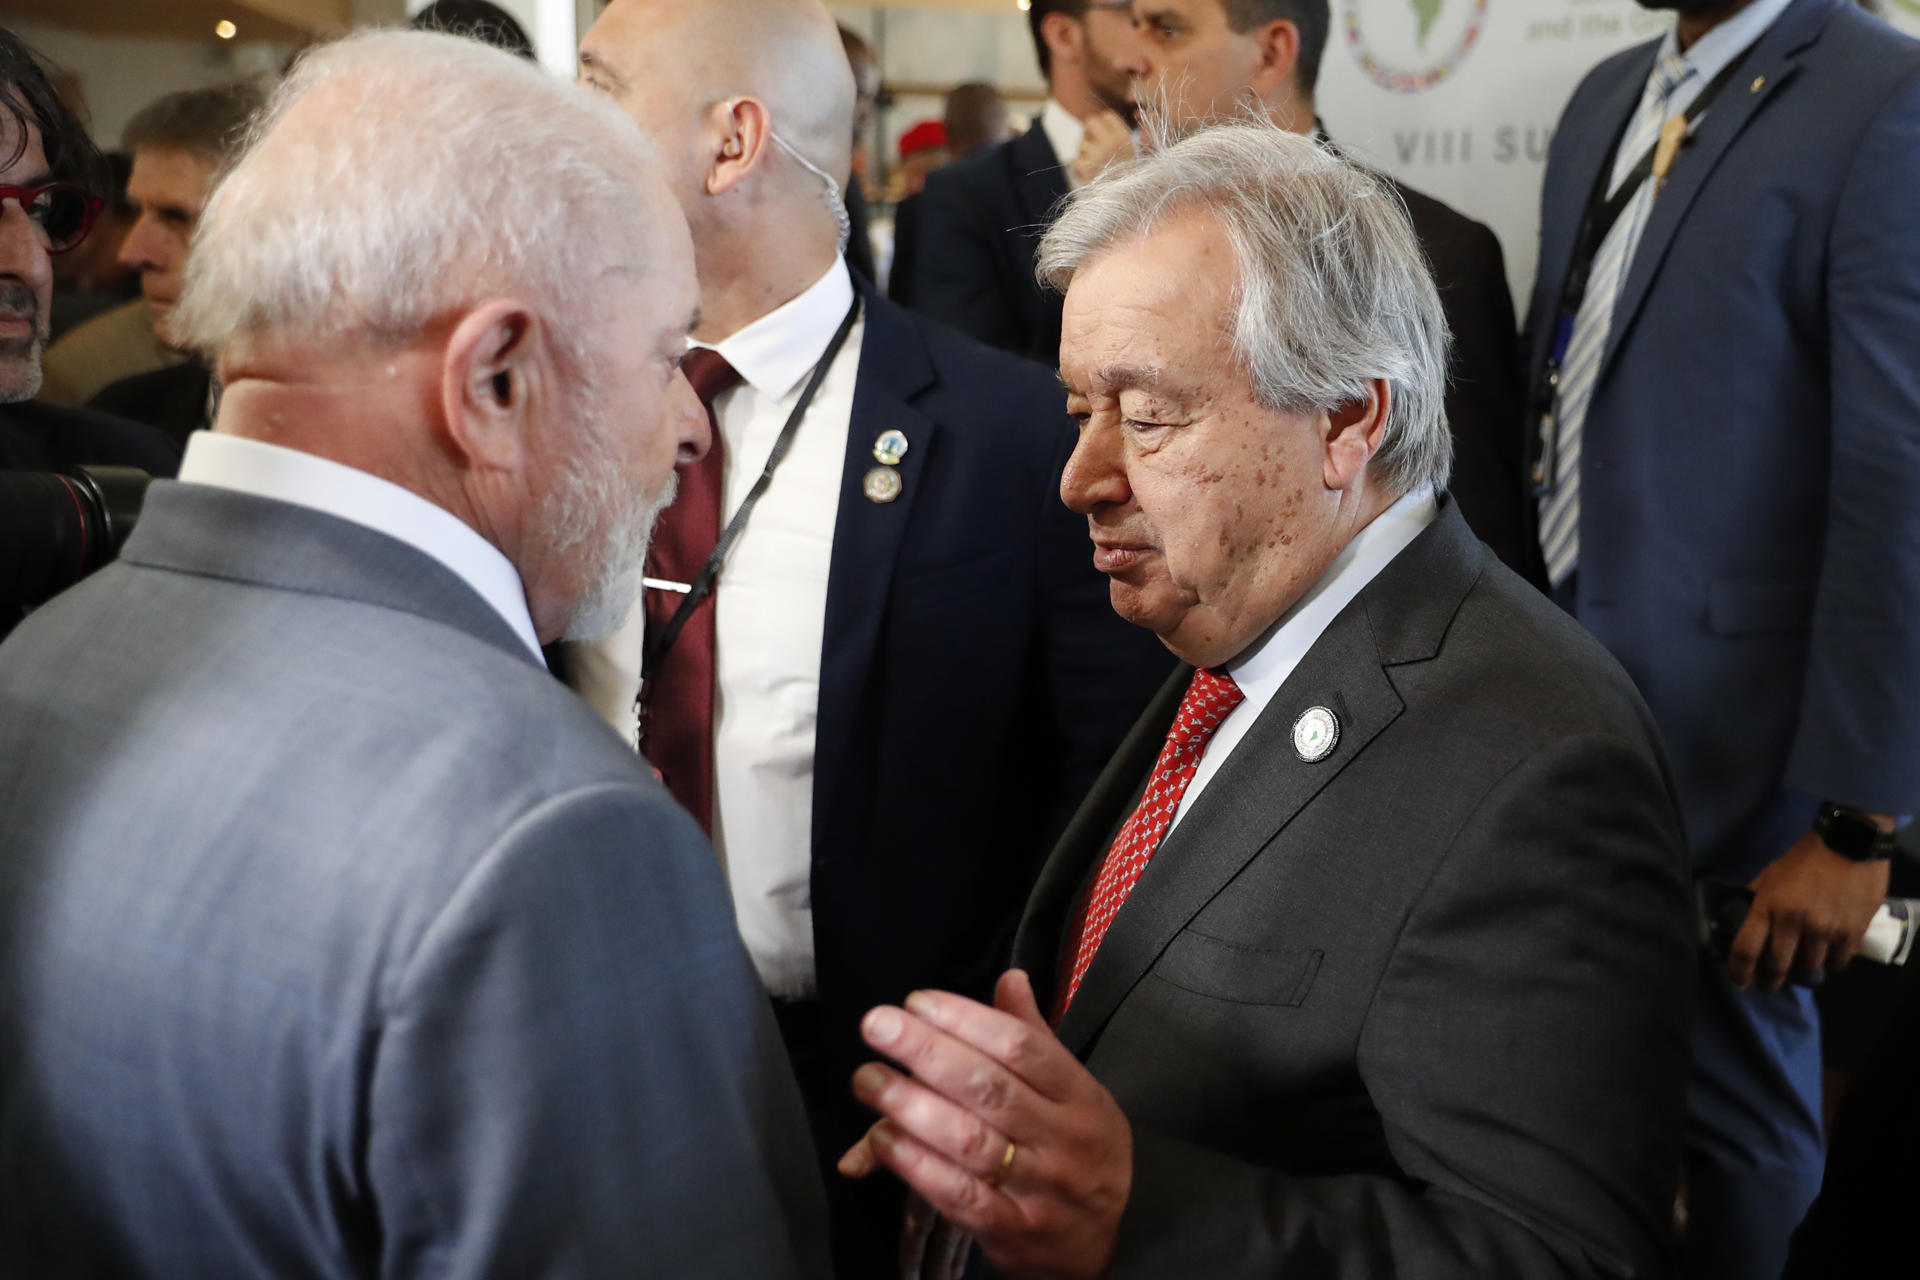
(1311, 17)
(27, 95)
(207, 123)
(478, 20)
(1036, 14)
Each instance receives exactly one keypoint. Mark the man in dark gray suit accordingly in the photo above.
(1373, 939)
(336, 937)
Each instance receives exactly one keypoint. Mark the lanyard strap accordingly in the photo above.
(658, 646)
(1602, 212)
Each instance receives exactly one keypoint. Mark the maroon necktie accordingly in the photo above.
(1209, 698)
(676, 715)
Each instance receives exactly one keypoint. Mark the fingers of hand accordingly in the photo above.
(942, 1125)
(965, 1200)
(1747, 944)
(1025, 1047)
(1784, 944)
(859, 1160)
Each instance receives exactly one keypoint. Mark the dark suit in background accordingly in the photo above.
(1749, 541)
(336, 939)
(1408, 1010)
(46, 437)
(174, 399)
(982, 220)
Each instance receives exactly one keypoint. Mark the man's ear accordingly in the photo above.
(1061, 33)
(742, 131)
(1279, 49)
(1354, 433)
(489, 372)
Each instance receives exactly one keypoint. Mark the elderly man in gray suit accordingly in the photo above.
(1368, 956)
(336, 937)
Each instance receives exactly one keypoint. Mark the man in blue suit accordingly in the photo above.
(907, 675)
(1727, 400)
(336, 938)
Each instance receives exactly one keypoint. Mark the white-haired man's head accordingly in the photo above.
(436, 263)
(1254, 343)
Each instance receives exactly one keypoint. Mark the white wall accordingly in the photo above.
(120, 75)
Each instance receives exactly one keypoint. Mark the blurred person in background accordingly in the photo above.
(90, 278)
(1205, 59)
(179, 144)
(479, 20)
(50, 165)
(982, 217)
(975, 117)
(340, 939)
(868, 92)
(906, 674)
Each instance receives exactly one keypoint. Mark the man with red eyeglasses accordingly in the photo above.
(46, 207)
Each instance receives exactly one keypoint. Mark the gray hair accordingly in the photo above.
(446, 173)
(1334, 289)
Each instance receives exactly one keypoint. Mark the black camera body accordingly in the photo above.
(58, 527)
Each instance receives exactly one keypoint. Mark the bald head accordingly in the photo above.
(673, 63)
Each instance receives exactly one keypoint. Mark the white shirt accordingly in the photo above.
(1064, 133)
(770, 610)
(288, 475)
(1707, 57)
(1264, 666)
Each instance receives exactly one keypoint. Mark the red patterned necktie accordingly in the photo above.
(677, 715)
(1209, 698)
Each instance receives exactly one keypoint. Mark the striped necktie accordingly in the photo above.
(1580, 366)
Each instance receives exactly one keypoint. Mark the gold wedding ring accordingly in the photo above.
(1006, 1162)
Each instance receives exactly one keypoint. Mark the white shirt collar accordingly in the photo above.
(1714, 50)
(1064, 133)
(288, 475)
(776, 351)
(1264, 666)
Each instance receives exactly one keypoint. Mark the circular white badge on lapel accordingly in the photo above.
(882, 484)
(1315, 734)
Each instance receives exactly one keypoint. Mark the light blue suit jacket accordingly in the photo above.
(1749, 528)
(338, 939)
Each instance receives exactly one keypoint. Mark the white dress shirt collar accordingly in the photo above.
(1263, 666)
(1710, 54)
(288, 475)
(1064, 133)
(776, 351)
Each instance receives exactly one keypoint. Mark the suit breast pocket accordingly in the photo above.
(1220, 970)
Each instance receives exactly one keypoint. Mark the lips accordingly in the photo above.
(1118, 557)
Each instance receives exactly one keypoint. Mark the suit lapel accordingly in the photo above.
(1773, 62)
(1039, 176)
(1566, 202)
(894, 369)
(1401, 616)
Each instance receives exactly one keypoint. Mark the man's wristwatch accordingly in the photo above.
(1851, 833)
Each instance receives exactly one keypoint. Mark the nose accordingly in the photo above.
(141, 249)
(1094, 477)
(693, 428)
(23, 247)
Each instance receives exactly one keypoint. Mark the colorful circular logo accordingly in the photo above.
(1399, 49)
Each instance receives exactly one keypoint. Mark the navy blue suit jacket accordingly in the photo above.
(974, 677)
(1750, 542)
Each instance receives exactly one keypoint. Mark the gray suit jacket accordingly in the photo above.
(337, 939)
(1418, 1008)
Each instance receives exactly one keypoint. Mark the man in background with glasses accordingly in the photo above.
(46, 160)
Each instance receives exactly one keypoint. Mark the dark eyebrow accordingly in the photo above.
(590, 63)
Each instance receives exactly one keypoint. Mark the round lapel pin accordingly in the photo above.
(890, 448)
(1315, 734)
(882, 484)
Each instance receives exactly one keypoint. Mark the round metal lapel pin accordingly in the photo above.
(1315, 734)
(890, 448)
(882, 484)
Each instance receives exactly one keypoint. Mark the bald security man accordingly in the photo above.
(906, 675)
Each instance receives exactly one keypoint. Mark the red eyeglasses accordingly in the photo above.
(63, 211)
